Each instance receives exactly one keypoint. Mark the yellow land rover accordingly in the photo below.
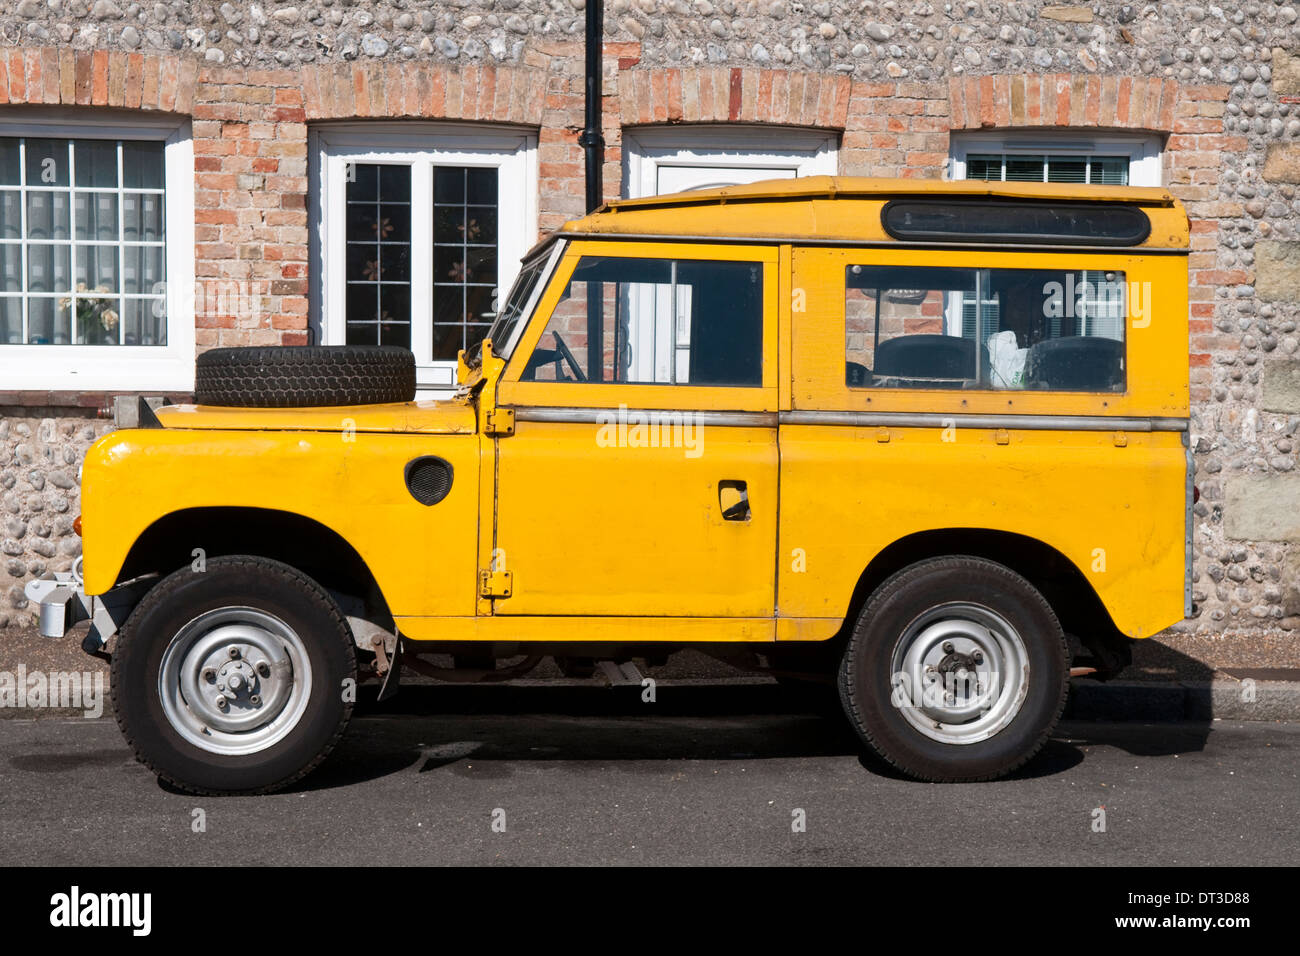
(926, 439)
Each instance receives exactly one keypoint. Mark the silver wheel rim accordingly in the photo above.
(253, 661)
(960, 673)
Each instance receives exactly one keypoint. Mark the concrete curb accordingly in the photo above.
(1184, 700)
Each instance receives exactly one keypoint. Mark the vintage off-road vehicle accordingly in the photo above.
(926, 439)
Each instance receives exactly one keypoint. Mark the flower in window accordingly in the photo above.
(372, 270)
(384, 228)
(457, 272)
(470, 231)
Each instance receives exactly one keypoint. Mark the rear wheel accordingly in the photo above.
(956, 670)
(232, 679)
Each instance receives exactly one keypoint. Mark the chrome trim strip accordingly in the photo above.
(877, 243)
(1095, 423)
(606, 416)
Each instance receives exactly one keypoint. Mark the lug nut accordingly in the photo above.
(234, 653)
(209, 675)
(255, 701)
(222, 703)
(263, 669)
(978, 657)
(947, 647)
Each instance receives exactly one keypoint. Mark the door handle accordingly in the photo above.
(733, 498)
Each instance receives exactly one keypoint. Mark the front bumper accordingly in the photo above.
(63, 603)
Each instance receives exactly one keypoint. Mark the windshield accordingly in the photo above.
(503, 327)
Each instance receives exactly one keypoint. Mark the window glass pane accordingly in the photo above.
(142, 165)
(142, 269)
(11, 267)
(144, 321)
(1067, 169)
(503, 329)
(96, 161)
(47, 162)
(378, 254)
(142, 217)
(49, 268)
(49, 321)
(96, 215)
(916, 327)
(464, 257)
(1052, 168)
(1024, 169)
(1109, 170)
(11, 320)
(47, 215)
(70, 224)
(97, 268)
(655, 321)
(98, 320)
(10, 173)
(11, 220)
(984, 167)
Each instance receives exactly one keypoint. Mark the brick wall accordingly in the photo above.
(1220, 85)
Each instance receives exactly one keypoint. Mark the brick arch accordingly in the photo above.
(52, 76)
(501, 94)
(733, 95)
(1064, 99)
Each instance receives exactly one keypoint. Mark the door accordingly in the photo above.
(643, 489)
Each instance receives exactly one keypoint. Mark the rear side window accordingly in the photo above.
(920, 327)
(655, 322)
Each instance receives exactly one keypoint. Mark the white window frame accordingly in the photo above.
(1142, 149)
(511, 151)
(107, 368)
(646, 149)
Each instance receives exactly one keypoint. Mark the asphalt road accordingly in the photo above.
(706, 775)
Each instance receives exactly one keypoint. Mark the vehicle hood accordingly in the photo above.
(432, 417)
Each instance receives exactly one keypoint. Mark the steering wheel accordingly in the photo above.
(567, 355)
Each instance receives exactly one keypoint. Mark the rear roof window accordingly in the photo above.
(1082, 224)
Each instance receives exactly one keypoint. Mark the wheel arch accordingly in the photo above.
(303, 543)
(1082, 613)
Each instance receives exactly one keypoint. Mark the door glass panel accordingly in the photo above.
(464, 257)
(378, 256)
(655, 322)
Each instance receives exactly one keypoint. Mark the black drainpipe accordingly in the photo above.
(593, 147)
(591, 141)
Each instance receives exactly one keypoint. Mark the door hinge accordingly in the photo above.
(500, 421)
(495, 584)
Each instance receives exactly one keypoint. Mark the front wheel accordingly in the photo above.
(234, 679)
(955, 671)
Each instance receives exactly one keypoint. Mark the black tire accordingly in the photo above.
(908, 599)
(304, 376)
(233, 582)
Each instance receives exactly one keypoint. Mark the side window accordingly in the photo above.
(918, 327)
(655, 322)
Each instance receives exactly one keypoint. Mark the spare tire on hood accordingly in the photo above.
(304, 376)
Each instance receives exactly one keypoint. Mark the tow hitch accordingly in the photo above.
(63, 604)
